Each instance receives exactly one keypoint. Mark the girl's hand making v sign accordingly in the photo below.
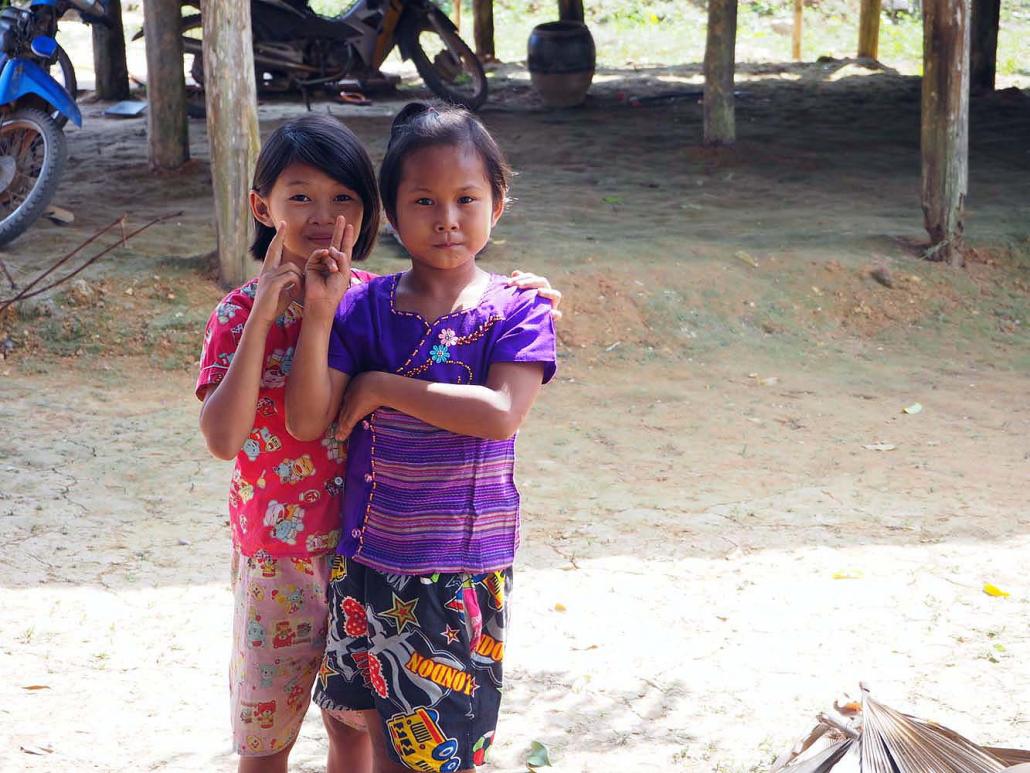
(276, 281)
(327, 273)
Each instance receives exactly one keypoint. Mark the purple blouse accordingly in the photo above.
(419, 499)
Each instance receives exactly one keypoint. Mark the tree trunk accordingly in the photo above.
(795, 38)
(719, 126)
(570, 10)
(109, 55)
(232, 128)
(483, 11)
(945, 125)
(984, 38)
(167, 127)
(869, 29)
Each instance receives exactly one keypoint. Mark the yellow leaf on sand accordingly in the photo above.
(848, 574)
(994, 590)
(559, 607)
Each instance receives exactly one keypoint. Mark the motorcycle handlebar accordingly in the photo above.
(92, 7)
(91, 11)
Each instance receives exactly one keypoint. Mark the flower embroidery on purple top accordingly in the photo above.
(448, 337)
(440, 353)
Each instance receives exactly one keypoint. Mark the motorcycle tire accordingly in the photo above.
(69, 82)
(189, 24)
(34, 201)
(434, 76)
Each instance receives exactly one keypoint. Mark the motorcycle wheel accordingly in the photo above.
(32, 156)
(191, 31)
(66, 77)
(448, 66)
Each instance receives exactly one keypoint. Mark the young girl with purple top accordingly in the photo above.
(430, 372)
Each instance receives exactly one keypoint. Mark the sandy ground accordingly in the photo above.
(695, 482)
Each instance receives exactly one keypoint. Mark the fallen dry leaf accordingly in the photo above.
(994, 590)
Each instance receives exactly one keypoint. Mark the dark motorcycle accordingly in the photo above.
(297, 49)
(35, 104)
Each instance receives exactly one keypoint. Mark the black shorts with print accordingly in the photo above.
(426, 652)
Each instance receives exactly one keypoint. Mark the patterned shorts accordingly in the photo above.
(426, 652)
(279, 628)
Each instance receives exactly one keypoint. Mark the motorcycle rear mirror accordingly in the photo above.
(44, 46)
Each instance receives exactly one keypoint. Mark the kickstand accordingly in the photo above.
(7, 273)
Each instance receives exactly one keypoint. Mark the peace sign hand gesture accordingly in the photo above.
(327, 272)
(275, 280)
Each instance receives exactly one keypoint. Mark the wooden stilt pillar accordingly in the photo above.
(945, 125)
(869, 29)
(232, 128)
(984, 41)
(109, 55)
(483, 32)
(570, 10)
(795, 38)
(719, 124)
(167, 128)
(457, 15)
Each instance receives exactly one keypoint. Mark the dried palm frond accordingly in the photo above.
(872, 738)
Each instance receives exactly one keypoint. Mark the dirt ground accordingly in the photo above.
(729, 519)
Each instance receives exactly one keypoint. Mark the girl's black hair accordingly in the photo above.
(323, 142)
(420, 125)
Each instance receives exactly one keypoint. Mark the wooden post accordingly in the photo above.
(869, 29)
(570, 10)
(457, 15)
(109, 55)
(984, 41)
(232, 128)
(719, 125)
(795, 40)
(945, 125)
(167, 127)
(483, 13)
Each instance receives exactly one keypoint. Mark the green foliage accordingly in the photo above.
(673, 32)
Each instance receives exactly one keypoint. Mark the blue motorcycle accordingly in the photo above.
(34, 107)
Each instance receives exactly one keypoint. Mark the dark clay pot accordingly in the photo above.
(561, 60)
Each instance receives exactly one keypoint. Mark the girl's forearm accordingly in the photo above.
(309, 408)
(465, 409)
(227, 415)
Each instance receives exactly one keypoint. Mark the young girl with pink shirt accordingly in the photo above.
(285, 495)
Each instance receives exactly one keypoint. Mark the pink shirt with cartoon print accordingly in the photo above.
(285, 494)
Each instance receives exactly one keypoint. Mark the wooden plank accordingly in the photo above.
(570, 10)
(167, 127)
(483, 13)
(109, 55)
(719, 122)
(869, 29)
(945, 125)
(795, 38)
(232, 128)
(984, 41)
